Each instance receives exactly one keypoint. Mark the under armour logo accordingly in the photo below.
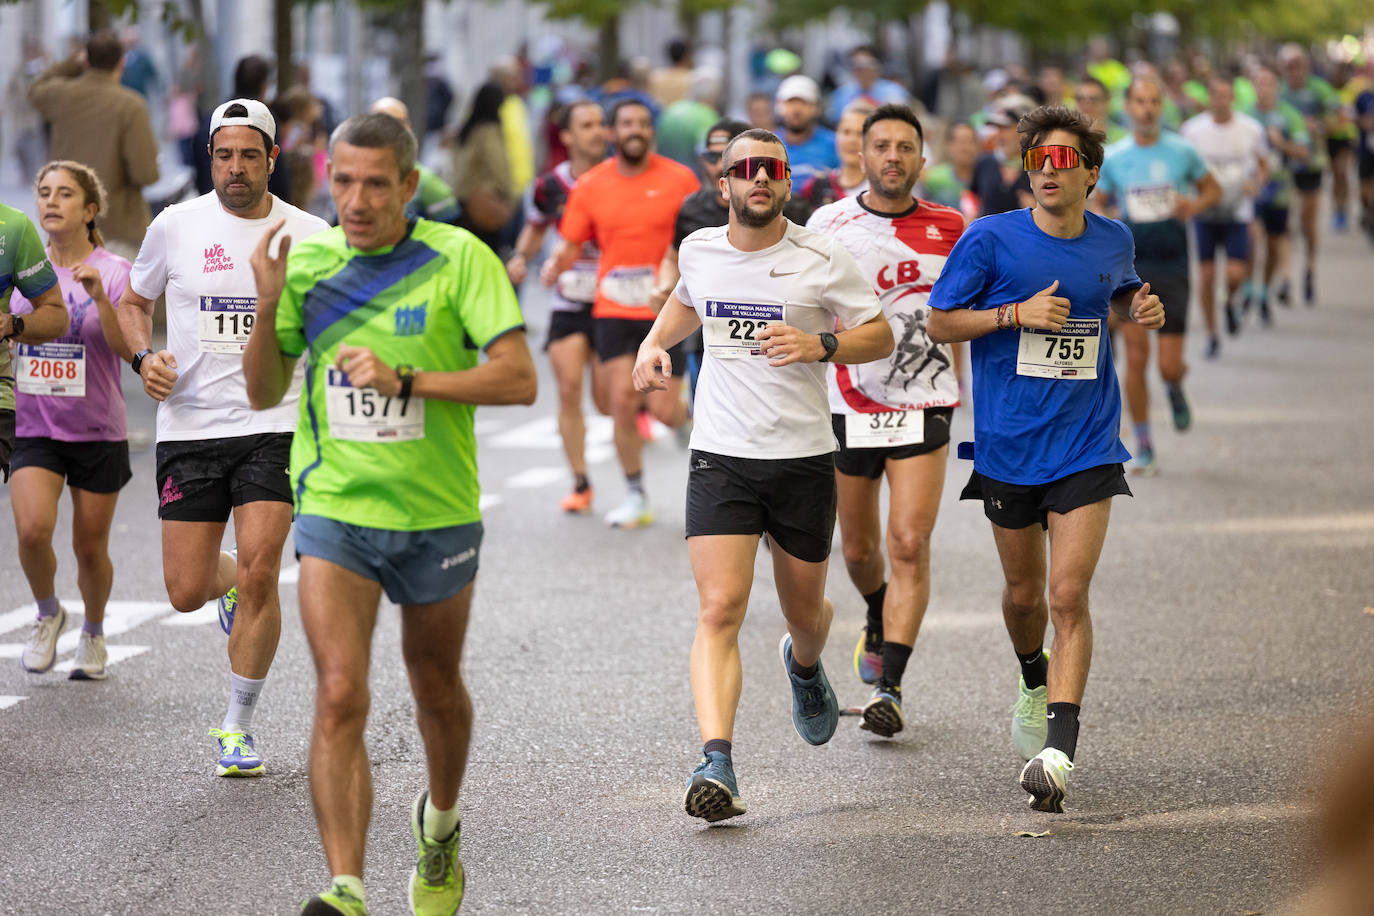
(1104, 278)
(994, 502)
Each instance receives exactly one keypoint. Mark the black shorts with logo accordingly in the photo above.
(202, 480)
(1016, 506)
(96, 467)
(614, 337)
(870, 462)
(792, 499)
(565, 323)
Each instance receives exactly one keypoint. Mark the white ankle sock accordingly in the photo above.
(439, 825)
(243, 699)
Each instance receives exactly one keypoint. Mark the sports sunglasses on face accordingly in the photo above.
(748, 167)
(1061, 157)
(710, 155)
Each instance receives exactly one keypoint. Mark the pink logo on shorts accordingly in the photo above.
(170, 493)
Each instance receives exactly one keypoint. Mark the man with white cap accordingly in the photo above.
(810, 147)
(215, 454)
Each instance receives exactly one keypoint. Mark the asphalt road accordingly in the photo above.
(1233, 653)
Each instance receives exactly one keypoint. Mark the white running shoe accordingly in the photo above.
(1028, 724)
(1046, 778)
(634, 512)
(40, 652)
(90, 658)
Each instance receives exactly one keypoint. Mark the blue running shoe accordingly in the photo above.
(883, 713)
(868, 656)
(815, 711)
(712, 793)
(237, 756)
(229, 601)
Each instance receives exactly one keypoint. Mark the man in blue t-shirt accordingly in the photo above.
(810, 147)
(1032, 290)
(1156, 181)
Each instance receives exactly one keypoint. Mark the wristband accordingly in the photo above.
(1016, 314)
(407, 376)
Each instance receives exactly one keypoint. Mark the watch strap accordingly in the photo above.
(137, 362)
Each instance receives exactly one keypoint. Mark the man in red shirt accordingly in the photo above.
(627, 205)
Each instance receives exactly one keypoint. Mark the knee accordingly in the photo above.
(90, 552)
(436, 687)
(341, 701)
(257, 578)
(860, 553)
(720, 614)
(909, 548)
(186, 595)
(570, 391)
(34, 534)
(1024, 598)
(1068, 599)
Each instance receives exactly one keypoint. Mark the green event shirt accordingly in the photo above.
(433, 198)
(24, 266)
(432, 301)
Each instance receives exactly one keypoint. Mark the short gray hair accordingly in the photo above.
(375, 130)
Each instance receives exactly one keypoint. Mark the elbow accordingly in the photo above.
(935, 329)
(887, 344)
(526, 388)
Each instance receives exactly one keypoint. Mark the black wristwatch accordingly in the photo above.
(407, 376)
(137, 361)
(16, 327)
(831, 344)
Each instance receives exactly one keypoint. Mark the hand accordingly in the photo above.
(784, 345)
(270, 272)
(548, 274)
(365, 370)
(1044, 310)
(6, 324)
(1185, 209)
(517, 268)
(653, 368)
(159, 374)
(1146, 309)
(89, 278)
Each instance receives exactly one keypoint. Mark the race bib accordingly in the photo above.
(1151, 203)
(578, 285)
(630, 286)
(367, 415)
(225, 322)
(54, 369)
(730, 329)
(884, 430)
(1069, 353)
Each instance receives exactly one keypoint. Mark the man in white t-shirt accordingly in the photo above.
(1235, 149)
(769, 297)
(891, 417)
(215, 454)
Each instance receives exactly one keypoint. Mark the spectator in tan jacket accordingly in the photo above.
(98, 122)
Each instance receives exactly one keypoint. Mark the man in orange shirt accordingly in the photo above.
(628, 205)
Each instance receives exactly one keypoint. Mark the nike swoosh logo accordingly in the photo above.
(1049, 715)
(774, 273)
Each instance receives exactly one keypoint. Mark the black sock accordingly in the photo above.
(805, 672)
(716, 745)
(1034, 667)
(875, 611)
(895, 657)
(1062, 719)
(635, 482)
(581, 484)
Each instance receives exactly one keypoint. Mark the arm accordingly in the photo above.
(47, 88)
(48, 320)
(563, 259)
(507, 376)
(1208, 196)
(89, 278)
(653, 367)
(527, 245)
(138, 150)
(860, 344)
(668, 275)
(158, 371)
(1139, 305)
(1044, 311)
(266, 369)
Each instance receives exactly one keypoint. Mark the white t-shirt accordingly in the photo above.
(744, 407)
(901, 257)
(1232, 152)
(197, 252)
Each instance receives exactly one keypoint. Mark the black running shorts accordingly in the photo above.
(1016, 506)
(202, 480)
(792, 499)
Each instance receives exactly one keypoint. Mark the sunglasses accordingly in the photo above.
(1061, 157)
(709, 155)
(748, 167)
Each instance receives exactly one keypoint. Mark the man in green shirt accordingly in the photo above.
(391, 315)
(24, 266)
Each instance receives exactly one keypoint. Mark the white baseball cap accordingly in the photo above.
(799, 86)
(258, 116)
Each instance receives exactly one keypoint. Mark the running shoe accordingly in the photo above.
(40, 651)
(90, 658)
(644, 423)
(1046, 778)
(815, 711)
(1213, 347)
(229, 601)
(868, 656)
(1283, 296)
(1266, 317)
(1340, 222)
(1028, 724)
(634, 512)
(237, 756)
(883, 713)
(436, 885)
(1309, 288)
(1178, 403)
(578, 502)
(333, 902)
(1145, 464)
(1232, 320)
(712, 792)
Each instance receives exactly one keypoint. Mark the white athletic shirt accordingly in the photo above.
(744, 407)
(901, 257)
(198, 253)
(1231, 151)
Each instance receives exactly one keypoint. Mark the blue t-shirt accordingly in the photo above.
(1030, 430)
(816, 155)
(1145, 182)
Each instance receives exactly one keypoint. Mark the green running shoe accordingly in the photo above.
(436, 885)
(333, 902)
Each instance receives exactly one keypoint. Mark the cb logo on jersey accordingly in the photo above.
(906, 272)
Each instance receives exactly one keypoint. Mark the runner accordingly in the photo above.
(433, 199)
(214, 454)
(1032, 290)
(767, 294)
(891, 417)
(847, 180)
(390, 316)
(1289, 146)
(627, 205)
(71, 421)
(1147, 179)
(582, 130)
(1318, 103)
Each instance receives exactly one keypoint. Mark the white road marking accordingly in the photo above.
(207, 613)
(6, 701)
(19, 617)
(488, 501)
(533, 478)
(1329, 523)
(116, 654)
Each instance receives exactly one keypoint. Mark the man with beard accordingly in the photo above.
(890, 419)
(810, 147)
(627, 205)
(768, 295)
(215, 454)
